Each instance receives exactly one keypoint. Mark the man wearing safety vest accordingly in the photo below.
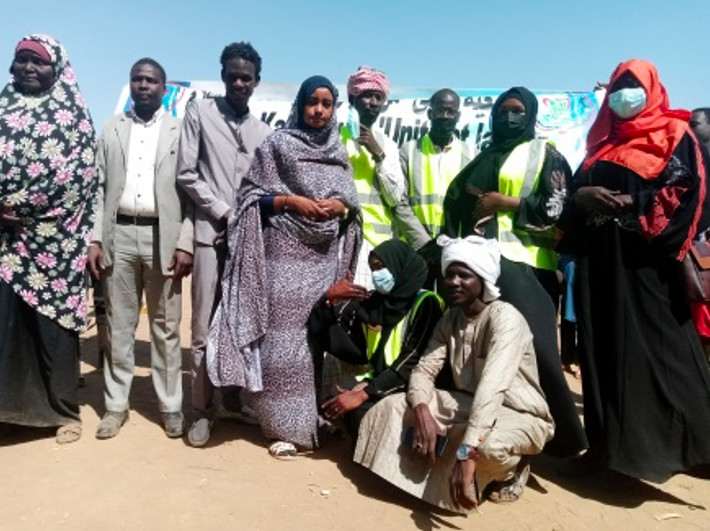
(430, 163)
(375, 161)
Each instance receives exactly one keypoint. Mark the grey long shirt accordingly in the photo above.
(492, 358)
(216, 149)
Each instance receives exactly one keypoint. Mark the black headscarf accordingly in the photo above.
(308, 87)
(339, 331)
(529, 101)
(409, 271)
(482, 172)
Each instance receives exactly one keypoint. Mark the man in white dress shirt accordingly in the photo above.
(142, 244)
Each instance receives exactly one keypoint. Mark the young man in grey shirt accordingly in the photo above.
(217, 143)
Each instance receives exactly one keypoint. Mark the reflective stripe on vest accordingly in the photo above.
(519, 177)
(376, 218)
(394, 343)
(430, 173)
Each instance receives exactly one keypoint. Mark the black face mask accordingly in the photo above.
(509, 125)
(444, 126)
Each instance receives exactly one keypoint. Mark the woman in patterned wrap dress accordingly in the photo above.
(292, 235)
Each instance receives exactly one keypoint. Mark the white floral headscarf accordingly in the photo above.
(48, 179)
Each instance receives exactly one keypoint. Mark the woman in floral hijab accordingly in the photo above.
(48, 187)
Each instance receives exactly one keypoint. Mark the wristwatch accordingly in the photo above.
(379, 157)
(466, 452)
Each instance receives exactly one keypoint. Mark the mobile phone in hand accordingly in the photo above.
(441, 441)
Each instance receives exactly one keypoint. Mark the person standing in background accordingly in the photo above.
(514, 191)
(700, 123)
(430, 164)
(374, 158)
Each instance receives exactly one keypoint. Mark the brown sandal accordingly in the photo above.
(69, 433)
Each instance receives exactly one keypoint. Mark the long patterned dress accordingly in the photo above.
(277, 270)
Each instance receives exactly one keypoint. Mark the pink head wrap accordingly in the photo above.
(368, 79)
(36, 47)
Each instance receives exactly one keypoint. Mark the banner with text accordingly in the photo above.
(563, 117)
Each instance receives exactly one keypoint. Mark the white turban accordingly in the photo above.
(480, 255)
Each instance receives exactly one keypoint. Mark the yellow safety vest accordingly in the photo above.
(394, 342)
(430, 173)
(519, 177)
(376, 217)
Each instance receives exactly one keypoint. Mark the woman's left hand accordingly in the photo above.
(346, 401)
(8, 217)
(600, 201)
(334, 208)
(491, 203)
(346, 290)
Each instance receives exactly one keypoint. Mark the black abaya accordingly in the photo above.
(645, 378)
(533, 292)
(39, 366)
(520, 287)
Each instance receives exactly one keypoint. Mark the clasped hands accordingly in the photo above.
(346, 290)
(316, 209)
(598, 200)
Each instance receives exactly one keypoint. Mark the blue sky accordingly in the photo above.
(545, 44)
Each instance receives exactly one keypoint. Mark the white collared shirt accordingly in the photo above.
(138, 197)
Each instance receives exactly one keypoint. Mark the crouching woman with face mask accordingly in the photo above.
(453, 448)
(373, 340)
(637, 202)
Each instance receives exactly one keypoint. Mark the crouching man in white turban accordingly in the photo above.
(453, 448)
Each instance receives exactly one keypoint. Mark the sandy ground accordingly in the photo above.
(143, 480)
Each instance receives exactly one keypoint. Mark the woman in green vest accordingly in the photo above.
(513, 191)
(383, 332)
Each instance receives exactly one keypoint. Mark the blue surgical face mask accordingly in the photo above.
(354, 122)
(627, 102)
(383, 280)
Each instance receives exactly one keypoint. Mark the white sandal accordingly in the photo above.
(282, 450)
(511, 490)
(69, 433)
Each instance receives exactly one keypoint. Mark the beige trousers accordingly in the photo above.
(136, 270)
(380, 447)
